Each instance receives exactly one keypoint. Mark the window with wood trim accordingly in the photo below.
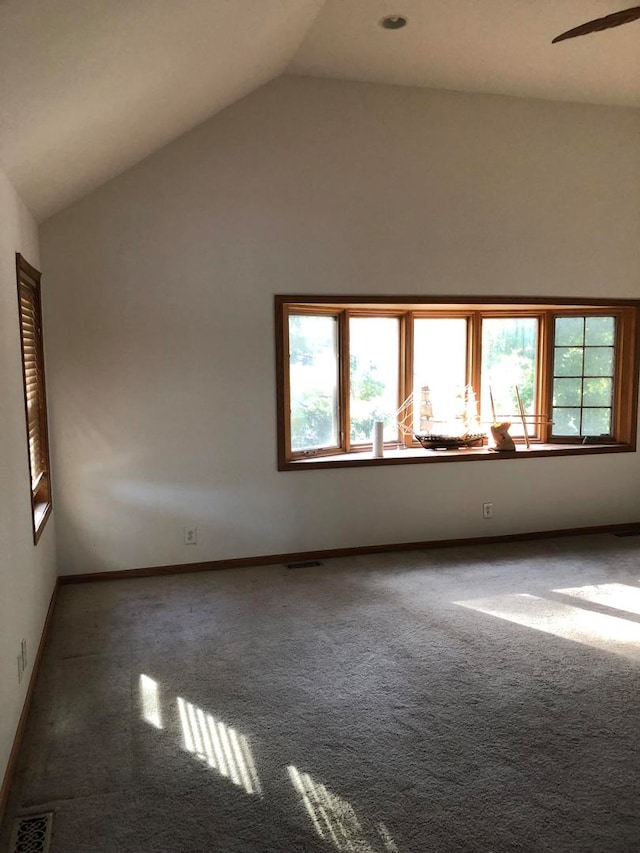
(564, 375)
(30, 316)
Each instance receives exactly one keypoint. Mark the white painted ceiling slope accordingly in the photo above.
(498, 46)
(90, 87)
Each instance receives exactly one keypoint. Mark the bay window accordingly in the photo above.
(563, 374)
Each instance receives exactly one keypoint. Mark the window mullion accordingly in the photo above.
(474, 354)
(283, 386)
(584, 350)
(344, 399)
(406, 372)
(544, 393)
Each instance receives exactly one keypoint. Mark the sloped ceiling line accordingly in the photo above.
(90, 87)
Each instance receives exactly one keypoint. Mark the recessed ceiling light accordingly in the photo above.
(393, 22)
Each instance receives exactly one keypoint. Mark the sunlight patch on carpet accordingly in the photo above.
(598, 630)
(620, 596)
(150, 701)
(222, 747)
(335, 820)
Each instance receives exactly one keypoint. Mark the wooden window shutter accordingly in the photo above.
(30, 314)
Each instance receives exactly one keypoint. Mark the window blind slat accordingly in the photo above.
(34, 387)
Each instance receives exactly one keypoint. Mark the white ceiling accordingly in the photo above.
(89, 87)
(498, 46)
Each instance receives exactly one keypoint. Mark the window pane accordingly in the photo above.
(600, 331)
(509, 358)
(593, 392)
(567, 361)
(313, 381)
(374, 370)
(598, 361)
(567, 392)
(569, 331)
(439, 374)
(566, 421)
(596, 421)
(597, 392)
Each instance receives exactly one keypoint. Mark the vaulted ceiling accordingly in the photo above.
(90, 87)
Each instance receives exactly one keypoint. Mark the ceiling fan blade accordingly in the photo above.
(625, 16)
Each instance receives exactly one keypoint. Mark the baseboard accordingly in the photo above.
(22, 722)
(275, 559)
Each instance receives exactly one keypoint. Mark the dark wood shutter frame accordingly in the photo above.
(35, 397)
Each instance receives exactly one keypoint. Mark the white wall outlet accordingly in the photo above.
(487, 510)
(23, 651)
(191, 536)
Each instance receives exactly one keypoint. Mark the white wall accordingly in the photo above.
(161, 318)
(27, 572)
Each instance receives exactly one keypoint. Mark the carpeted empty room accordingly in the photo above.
(319, 436)
(462, 699)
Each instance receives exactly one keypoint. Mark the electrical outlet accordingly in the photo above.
(23, 651)
(191, 536)
(487, 510)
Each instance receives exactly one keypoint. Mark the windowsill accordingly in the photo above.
(417, 455)
(41, 513)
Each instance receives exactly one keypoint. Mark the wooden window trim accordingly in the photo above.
(284, 393)
(539, 432)
(394, 314)
(28, 281)
(449, 314)
(407, 308)
(625, 401)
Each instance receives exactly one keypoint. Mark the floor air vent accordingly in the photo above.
(304, 564)
(32, 833)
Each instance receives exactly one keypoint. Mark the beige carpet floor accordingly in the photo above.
(467, 699)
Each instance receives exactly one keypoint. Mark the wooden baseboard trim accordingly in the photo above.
(22, 722)
(276, 559)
